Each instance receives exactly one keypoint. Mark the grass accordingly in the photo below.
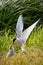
(34, 46)
(34, 56)
(36, 38)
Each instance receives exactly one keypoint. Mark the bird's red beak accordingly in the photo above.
(12, 43)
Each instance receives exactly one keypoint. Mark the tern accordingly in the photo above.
(22, 36)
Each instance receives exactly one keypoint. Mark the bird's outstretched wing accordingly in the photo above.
(19, 26)
(27, 32)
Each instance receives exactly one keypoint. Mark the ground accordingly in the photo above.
(34, 56)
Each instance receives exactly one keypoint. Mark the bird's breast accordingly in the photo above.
(19, 41)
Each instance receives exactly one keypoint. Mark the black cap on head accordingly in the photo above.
(14, 39)
(11, 47)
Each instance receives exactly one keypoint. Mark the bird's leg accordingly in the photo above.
(11, 50)
(23, 48)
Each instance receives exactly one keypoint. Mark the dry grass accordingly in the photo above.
(34, 56)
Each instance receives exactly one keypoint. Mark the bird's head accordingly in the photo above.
(13, 41)
(10, 47)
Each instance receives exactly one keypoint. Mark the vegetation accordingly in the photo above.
(31, 10)
(34, 47)
(33, 57)
(10, 10)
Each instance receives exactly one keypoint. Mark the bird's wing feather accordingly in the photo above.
(27, 32)
(19, 26)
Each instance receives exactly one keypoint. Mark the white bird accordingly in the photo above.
(22, 36)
